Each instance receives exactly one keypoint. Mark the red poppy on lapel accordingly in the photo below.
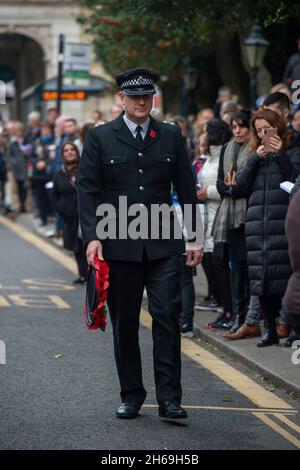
(152, 134)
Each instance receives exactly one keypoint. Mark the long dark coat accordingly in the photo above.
(65, 201)
(17, 160)
(268, 258)
(113, 165)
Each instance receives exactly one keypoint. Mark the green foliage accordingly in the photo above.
(160, 34)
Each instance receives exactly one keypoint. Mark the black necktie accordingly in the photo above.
(138, 137)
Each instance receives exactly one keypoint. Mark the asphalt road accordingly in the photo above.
(59, 386)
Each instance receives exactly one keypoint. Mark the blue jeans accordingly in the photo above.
(284, 318)
(254, 313)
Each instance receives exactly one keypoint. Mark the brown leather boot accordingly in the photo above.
(283, 330)
(245, 331)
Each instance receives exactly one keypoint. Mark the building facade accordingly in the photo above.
(29, 32)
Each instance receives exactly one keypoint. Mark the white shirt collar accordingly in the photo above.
(132, 126)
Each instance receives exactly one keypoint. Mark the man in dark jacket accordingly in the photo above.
(138, 157)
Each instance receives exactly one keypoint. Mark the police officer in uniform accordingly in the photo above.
(139, 157)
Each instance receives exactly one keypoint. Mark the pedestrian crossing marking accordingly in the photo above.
(38, 301)
(2, 287)
(47, 284)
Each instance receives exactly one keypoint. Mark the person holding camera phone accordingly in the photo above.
(267, 166)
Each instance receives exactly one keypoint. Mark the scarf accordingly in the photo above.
(231, 213)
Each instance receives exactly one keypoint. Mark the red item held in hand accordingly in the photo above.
(95, 312)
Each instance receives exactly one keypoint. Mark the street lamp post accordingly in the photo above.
(256, 46)
(61, 45)
(190, 77)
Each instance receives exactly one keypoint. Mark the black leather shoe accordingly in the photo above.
(79, 280)
(268, 338)
(170, 410)
(128, 410)
(295, 333)
(236, 323)
(294, 336)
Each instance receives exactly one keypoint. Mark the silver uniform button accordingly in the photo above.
(112, 161)
(168, 160)
(141, 171)
(140, 154)
(141, 188)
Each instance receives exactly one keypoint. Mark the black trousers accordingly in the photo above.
(42, 198)
(162, 281)
(222, 271)
(209, 268)
(81, 261)
(270, 305)
(2, 187)
(22, 193)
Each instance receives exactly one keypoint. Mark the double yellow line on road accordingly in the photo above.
(268, 403)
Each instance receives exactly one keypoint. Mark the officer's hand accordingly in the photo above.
(94, 248)
(194, 257)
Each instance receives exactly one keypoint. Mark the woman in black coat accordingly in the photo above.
(64, 199)
(267, 249)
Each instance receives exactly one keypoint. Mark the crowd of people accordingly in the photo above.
(239, 157)
(38, 168)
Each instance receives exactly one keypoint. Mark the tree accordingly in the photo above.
(164, 34)
(128, 33)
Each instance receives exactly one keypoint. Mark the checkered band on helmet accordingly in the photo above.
(137, 81)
